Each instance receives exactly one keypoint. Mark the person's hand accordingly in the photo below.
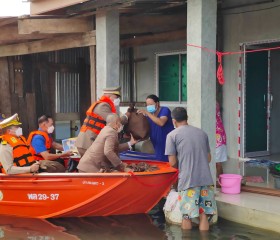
(142, 111)
(133, 140)
(34, 167)
(67, 154)
(124, 165)
(121, 167)
(127, 169)
(128, 114)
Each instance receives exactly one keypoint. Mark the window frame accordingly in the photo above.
(169, 53)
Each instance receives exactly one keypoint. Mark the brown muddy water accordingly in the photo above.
(136, 227)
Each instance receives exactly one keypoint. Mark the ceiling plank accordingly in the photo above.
(160, 23)
(93, 5)
(28, 26)
(154, 38)
(43, 6)
(46, 45)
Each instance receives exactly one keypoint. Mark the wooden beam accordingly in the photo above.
(92, 52)
(6, 21)
(10, 33)
(28, 26)
(154, 38)
(154, 24)
(46, 45)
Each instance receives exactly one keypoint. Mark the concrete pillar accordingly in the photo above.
(107, 50)
(201, 69)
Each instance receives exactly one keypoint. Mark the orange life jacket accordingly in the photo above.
(48, 143)
(21, 154)
(93, 121)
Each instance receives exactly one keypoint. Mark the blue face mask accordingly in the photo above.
(151, 108)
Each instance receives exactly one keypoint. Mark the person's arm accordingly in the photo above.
(52, 156)
(7, 160)
(38, 143)
(173, 161)
(57, 146)
(160, 121)
(109, 150)
(128, 145)
(170, 150)
(209, 157)
(208, 149)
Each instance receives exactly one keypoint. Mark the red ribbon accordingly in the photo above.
(170, 180)
(220, 71)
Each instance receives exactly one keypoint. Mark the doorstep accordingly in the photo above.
(252, 209)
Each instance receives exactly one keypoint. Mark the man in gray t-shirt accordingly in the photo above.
(188, 148)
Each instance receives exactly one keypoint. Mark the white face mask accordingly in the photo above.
(18, 132)
(117, 101)
(51, 129)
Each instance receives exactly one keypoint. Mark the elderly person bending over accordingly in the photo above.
(104, 151)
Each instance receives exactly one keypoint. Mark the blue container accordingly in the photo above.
(133, 155)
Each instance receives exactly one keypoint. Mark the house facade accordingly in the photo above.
(58, 59)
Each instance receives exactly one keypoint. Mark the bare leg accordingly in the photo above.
(186, 224)
(203, 223)
(219, 168)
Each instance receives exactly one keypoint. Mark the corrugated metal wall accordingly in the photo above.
(67, 56)
(66, 82)
(67, 92)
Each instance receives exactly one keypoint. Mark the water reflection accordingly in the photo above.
(223, 230)
(112, 228)
(31, 229)
(125, 227)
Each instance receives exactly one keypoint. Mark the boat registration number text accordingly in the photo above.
(43, 196)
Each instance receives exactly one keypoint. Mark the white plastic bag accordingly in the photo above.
(172, 208)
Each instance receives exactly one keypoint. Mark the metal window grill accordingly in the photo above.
(67, 92)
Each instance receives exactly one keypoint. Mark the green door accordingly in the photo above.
(256, 134)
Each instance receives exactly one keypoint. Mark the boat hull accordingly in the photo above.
(49, 195)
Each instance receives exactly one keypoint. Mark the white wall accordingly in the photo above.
(145, 71)
(239, 28)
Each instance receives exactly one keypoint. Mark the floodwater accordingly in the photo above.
(128, 227)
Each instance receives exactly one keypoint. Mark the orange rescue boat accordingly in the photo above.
(52, 195)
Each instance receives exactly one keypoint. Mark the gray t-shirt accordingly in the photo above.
(191, 146)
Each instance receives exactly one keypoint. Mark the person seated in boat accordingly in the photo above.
(41, 142)
(15, 157)
(104, 151)
(96, 117)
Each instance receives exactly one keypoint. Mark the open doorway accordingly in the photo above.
(261, 112)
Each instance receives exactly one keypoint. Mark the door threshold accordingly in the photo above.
(261, 190)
